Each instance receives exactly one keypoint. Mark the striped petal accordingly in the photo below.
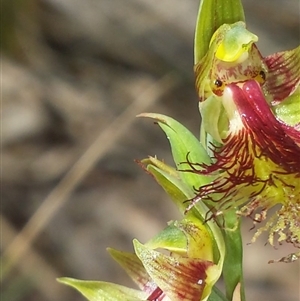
(283, 76)
(179, 278)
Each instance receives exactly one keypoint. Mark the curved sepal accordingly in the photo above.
(169, 179)
(103, 291)
(132, 266)
(183, 145)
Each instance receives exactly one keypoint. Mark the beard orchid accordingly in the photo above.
(251, 125)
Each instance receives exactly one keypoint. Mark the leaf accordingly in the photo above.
(103, 291)
(212, 14)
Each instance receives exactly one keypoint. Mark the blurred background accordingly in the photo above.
(74, 75)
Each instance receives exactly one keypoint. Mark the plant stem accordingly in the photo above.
(233, 264)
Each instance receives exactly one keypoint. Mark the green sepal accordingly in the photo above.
(162, 166)
(289, 109)
(185, 146)
(212, 14)
(189, 237)
(178, 191)
(171, 238)
(283, 76)
(132, 266)
(103, 291)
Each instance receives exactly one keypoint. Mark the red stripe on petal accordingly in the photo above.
(283, 73)
(270, 135)
(253, 160)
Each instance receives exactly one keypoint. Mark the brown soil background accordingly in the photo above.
(75, 74)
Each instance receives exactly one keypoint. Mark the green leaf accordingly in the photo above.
(185, 146)
(212, 14)
(103, 291)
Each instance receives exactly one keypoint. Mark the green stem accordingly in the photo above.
(233, 263)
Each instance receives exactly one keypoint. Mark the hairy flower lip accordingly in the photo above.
(273, 136)
(260, 139)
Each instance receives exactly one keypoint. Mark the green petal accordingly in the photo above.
(132, 265)
(214, 119)
(184, 145)
(103, 291)
(181, 279)
(212, 14)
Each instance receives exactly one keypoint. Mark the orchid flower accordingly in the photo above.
(251, 123)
